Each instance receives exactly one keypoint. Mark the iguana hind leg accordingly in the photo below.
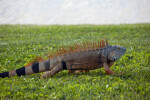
(78, 71)
(71, 71)
(85, 71)
(55, 70)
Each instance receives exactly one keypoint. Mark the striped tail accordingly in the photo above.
(34, 68)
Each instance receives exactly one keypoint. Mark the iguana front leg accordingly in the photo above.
(55, 70)
(107, 69)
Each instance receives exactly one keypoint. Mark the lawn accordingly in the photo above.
(21, 43)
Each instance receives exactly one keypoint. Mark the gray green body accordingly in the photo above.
(81, 60)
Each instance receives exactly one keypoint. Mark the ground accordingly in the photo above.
(20, 43)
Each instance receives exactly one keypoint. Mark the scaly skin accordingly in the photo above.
(83, 61)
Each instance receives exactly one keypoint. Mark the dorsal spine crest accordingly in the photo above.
(78, 47)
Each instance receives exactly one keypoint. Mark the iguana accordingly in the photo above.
(82, 57)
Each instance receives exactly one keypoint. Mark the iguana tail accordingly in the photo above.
(36, 67)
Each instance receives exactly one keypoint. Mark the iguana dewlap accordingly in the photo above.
(89, 58)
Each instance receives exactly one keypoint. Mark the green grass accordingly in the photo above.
(20, 43)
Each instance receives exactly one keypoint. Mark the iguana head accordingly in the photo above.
(116, 52)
